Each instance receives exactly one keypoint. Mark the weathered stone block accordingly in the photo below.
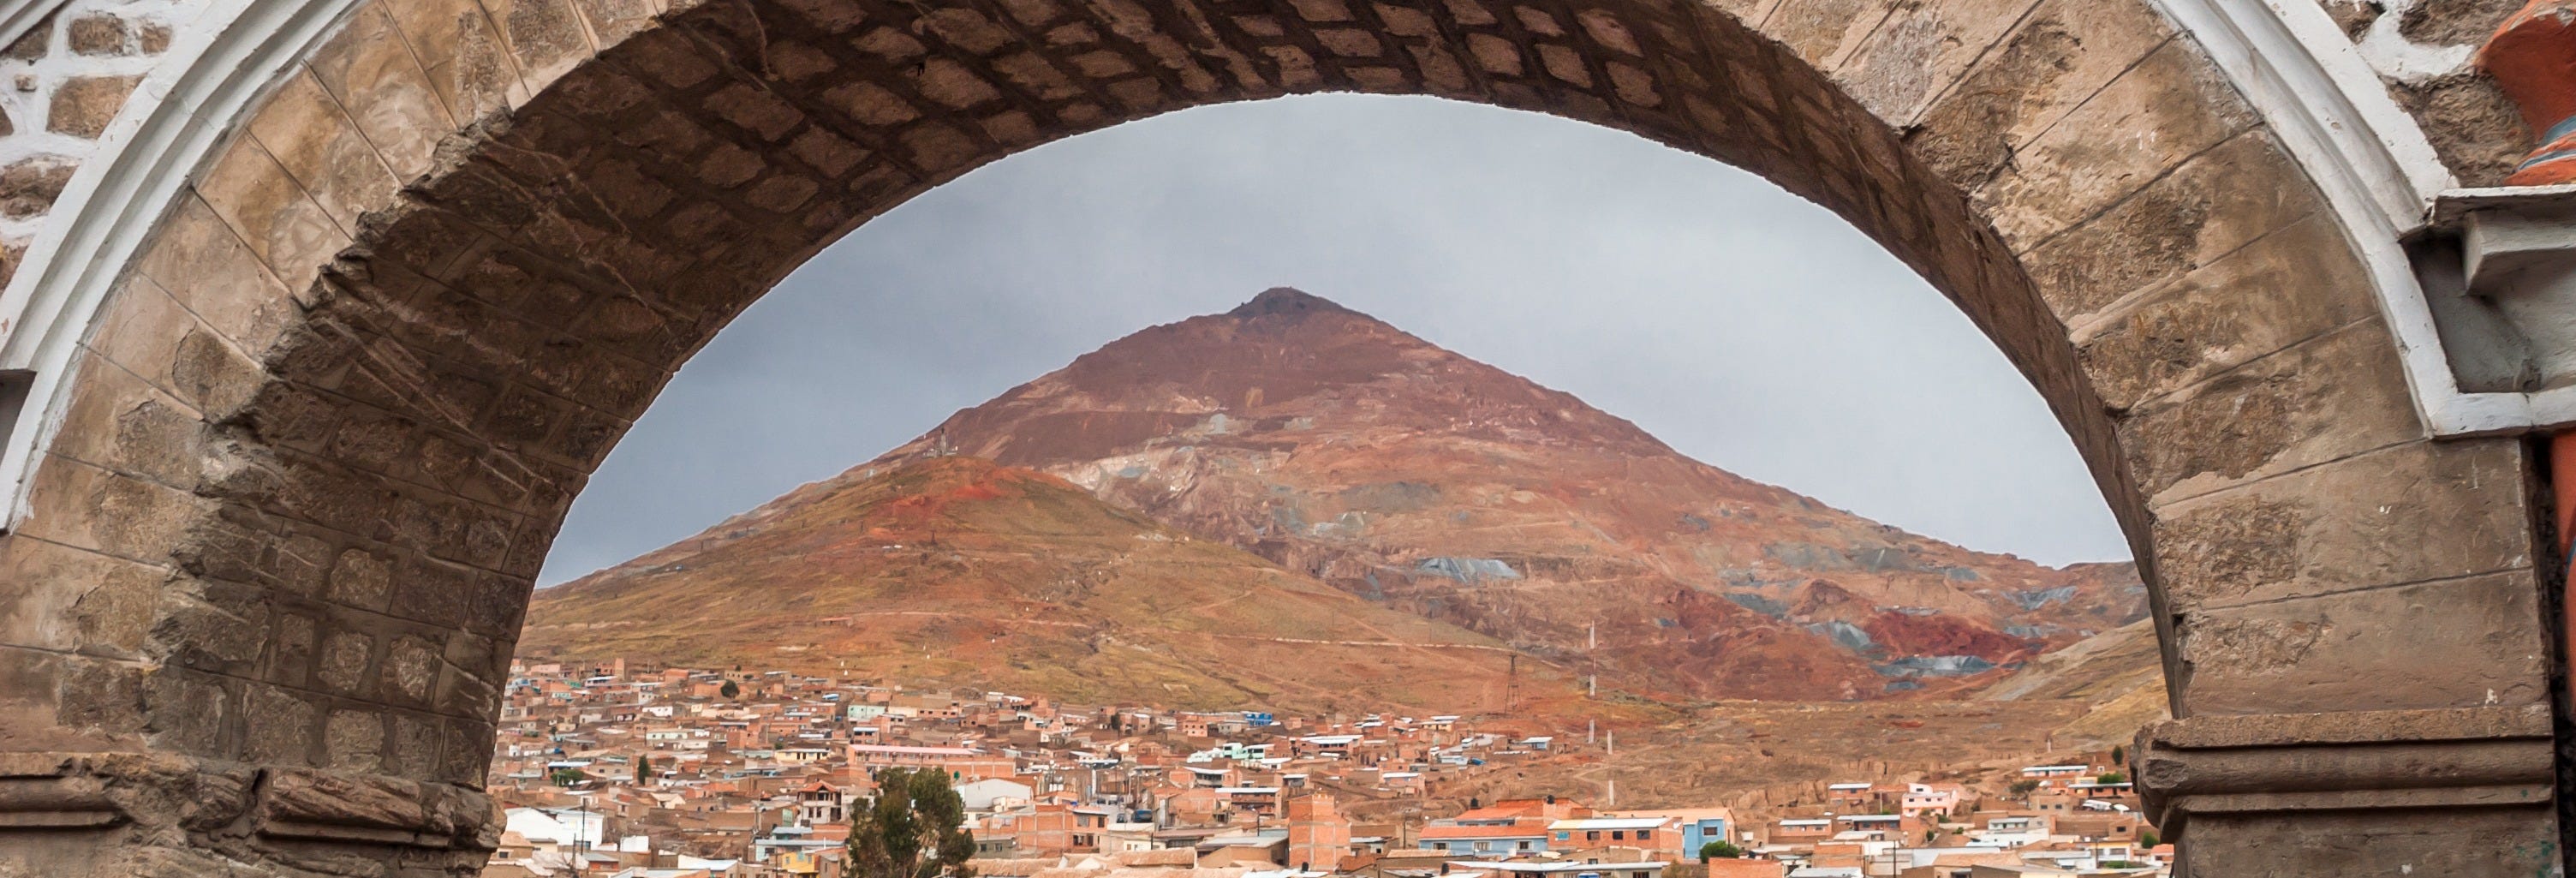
(354, 740)
(465, 755)
(28, 187)
(468, 65)
(148, 333)
(412, 750)
(68, 600)
(70, 703)
(282, 727)
(367, 68)
(318, 145)
(98, 33)
(344, 660)
(2247, 308)
(2350, 525)
(410, 671)
(222, 628)
(152, 37)
(290, 233)
(545, 37)
(1821, 32)
(2374, 844)
(2058, 57)
(2454, 643)
(108, 512)
(2169, 107)
(194, 713)
(83, 106)
(200, 263)
(612, 21)
(1919, 51)
(2336, 395)
(2201, 214)
(361, 579)
(119, 422)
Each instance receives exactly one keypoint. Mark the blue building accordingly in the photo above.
(1698, 826)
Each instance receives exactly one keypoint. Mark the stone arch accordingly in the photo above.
(277, 551)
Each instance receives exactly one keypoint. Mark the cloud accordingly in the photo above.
(1744, 326)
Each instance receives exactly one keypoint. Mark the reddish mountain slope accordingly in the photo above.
(961, 572)
(1337, 446)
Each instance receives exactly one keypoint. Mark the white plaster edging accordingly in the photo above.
(2378, 172)
(179, 115)
(21, 16)
(2385, 46)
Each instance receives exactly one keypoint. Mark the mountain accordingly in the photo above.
(1428, 485)
(964, 572)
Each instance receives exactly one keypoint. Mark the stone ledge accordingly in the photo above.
(59, 791)
(2481, 757)
(2360, 727)
(48, 803)
(332, 806)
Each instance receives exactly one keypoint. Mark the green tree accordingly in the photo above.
(643, 767)
(730, 690)
(2147, 838)
(1720, 849)
(912, 830)
(564, 777)
(2119, 756)
(2024, 787)
(2111, 777)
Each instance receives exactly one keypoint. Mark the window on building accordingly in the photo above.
(1592, 835)
(1618, 835)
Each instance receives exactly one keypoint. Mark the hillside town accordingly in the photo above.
(631, 772)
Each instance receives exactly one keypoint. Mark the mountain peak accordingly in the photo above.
(1286, 300)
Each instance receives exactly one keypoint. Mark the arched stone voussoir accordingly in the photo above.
(316, 452)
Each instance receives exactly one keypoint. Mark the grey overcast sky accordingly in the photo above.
(1740, 324)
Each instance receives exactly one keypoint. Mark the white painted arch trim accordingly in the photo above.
(2379, 174)
(16, 19)
(178, 117)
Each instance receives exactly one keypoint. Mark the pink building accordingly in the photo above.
(1921, 799)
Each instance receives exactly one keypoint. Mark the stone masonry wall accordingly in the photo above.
(60, 84)
(2423, 51)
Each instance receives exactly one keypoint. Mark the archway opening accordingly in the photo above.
(325, 425)
(1223, 544)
